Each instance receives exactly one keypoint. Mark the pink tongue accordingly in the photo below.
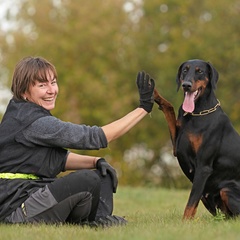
(188, 103)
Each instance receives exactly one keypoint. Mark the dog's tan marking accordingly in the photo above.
(190, 212)
(196, 141)
(169, 114)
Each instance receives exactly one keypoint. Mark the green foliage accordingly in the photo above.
(219, 216)
(98, 48)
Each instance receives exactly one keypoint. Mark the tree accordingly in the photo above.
(99, 46)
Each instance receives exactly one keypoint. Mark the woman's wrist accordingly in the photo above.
(95, 161)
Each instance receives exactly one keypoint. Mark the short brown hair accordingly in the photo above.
(27, 71)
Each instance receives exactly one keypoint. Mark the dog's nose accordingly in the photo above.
(186, 85)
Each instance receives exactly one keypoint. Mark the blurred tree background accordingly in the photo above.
(98, 46)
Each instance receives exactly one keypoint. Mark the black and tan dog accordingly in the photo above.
(204, 141)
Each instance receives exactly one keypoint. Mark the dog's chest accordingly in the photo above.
(190, 137)
(188, 145)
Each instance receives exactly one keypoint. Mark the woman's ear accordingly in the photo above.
(24, 97)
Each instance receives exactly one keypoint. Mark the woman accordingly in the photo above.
(33, 152)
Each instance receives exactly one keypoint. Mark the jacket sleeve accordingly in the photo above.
(51, 132)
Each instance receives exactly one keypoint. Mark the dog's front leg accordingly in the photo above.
(169, 114)
(199, 182)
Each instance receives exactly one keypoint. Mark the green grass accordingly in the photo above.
(153, 213)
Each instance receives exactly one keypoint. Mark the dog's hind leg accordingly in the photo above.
(169, 114)
(230, 202)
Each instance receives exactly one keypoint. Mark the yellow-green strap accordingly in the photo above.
(18, 175)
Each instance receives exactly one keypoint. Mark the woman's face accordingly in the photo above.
(43, 93)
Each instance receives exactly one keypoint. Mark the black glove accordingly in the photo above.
(145, 87)
(104, 167)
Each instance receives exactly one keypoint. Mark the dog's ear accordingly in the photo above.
(213, 75)
(178, 76)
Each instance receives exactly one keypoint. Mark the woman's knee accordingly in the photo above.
(86, 178)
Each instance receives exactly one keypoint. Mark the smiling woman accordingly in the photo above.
(43, 93)
(33, 151)
(35, 80)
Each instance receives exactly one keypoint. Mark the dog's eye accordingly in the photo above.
(184, 70)
(200, 71)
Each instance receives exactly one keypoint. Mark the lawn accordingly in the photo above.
(153, 213)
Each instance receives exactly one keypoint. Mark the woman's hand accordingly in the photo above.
(104, 167)
(145, 87)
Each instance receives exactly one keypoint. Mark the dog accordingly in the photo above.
(204, 141)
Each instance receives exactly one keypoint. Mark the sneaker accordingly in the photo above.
(92, 224)
(110, 221)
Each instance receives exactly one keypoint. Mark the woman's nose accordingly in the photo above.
(50, 89)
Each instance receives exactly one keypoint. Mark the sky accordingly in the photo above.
(12, 7)
(5, 93)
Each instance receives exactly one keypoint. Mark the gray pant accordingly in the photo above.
(44, 206)
(41, 206)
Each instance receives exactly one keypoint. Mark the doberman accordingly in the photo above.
(204, 141)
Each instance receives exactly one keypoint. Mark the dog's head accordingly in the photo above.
(195, 76)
